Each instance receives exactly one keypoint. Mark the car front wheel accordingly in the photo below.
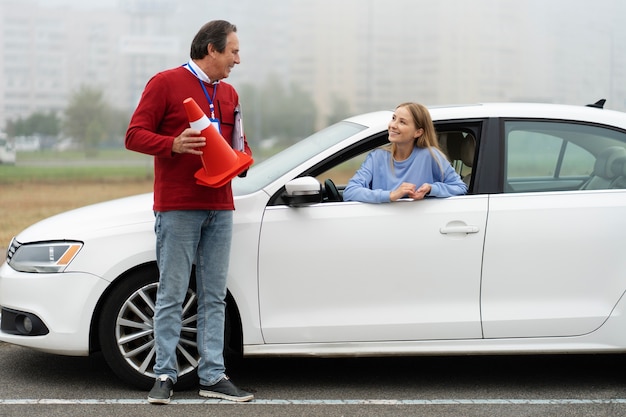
(127, 334)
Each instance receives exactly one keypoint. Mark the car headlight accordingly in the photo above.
(42, 256)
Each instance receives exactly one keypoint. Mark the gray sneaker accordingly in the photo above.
(162, 391)
(225, 390)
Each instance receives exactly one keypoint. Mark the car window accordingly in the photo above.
(460, 149)
(458, 145)
(560, 156)
(263, 173)
(341, 174)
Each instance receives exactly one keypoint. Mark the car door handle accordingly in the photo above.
(458, 229)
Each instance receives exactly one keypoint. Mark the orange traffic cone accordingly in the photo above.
(220, 161)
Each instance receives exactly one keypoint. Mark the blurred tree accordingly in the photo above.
(274, 111)
(94, 135)
(116, 129)
(38, 123)
(300, 113)
(47, 124)
(91, 121)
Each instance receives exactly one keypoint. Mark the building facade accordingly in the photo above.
(361, 54)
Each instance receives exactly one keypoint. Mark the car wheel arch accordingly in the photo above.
(149, 268)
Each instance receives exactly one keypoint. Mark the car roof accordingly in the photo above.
(510, 110)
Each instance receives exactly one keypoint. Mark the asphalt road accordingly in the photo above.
(39, 384)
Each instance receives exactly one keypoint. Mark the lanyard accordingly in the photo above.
(206, 93)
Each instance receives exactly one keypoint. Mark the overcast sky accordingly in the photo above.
(80, 3)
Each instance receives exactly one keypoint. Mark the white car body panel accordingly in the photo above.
(68, 318)
(114, 243)
(324, 275)
(242, 272)
(610, 338)
(531, 289)
(529, 110)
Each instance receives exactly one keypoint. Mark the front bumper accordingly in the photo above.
(63, 302)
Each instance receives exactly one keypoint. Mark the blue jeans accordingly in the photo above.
(185, 237)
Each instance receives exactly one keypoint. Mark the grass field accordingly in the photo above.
(34, 191)
(26, 203)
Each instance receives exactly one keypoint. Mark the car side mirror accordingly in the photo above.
(303, 191)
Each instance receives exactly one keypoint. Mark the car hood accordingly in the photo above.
(78, 223)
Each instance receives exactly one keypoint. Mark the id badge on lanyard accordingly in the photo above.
(214, 120)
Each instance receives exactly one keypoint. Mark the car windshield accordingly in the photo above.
(262, 174)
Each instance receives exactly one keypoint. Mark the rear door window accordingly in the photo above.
(561, 156)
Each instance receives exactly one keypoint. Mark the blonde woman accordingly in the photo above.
(411, 166)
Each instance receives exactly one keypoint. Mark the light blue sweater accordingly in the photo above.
(375, 180)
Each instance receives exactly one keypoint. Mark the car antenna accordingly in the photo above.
(598, 104)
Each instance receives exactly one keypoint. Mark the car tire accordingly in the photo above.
(127, 336)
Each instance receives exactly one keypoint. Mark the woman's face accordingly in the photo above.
(402, 129)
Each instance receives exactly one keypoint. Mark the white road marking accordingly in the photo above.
(552, 401)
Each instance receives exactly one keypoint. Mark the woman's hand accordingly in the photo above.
(421, 192)
(404, 190)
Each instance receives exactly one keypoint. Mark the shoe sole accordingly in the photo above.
(219, 395)
(159, 400)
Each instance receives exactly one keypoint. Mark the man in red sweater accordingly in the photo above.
(193, 222)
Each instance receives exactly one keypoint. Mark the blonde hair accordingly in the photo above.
(428, 139)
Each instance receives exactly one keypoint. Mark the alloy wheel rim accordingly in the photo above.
(134, 332)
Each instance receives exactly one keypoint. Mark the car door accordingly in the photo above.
(553, 261)
(347, 271)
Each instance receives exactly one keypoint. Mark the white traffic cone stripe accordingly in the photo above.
(200, 124)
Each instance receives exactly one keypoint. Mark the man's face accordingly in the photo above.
(223, 62)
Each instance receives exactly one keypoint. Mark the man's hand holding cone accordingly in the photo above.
(220, 161)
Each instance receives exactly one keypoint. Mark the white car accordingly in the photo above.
(530, 261)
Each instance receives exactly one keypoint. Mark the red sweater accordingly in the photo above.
(159, 118)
